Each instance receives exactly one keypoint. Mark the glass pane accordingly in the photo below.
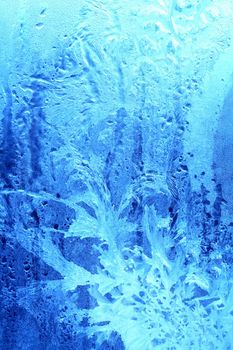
(116, 191)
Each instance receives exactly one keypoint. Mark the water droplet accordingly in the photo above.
(39, 25)
(43, 12)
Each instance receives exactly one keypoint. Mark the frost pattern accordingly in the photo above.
(116, 175)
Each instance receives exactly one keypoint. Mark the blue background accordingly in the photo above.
(116, 192)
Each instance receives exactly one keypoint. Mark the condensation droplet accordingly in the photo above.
(39, 25)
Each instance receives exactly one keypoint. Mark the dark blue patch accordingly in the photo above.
(113, 343)
(88, 209)
(82, 297)
(80, 251)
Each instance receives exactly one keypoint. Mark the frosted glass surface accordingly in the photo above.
(116, 175)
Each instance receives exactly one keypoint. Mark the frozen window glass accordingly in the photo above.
(116, 175)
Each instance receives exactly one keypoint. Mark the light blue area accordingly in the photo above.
(116, 175)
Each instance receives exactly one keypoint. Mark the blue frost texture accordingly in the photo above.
(116, 175)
